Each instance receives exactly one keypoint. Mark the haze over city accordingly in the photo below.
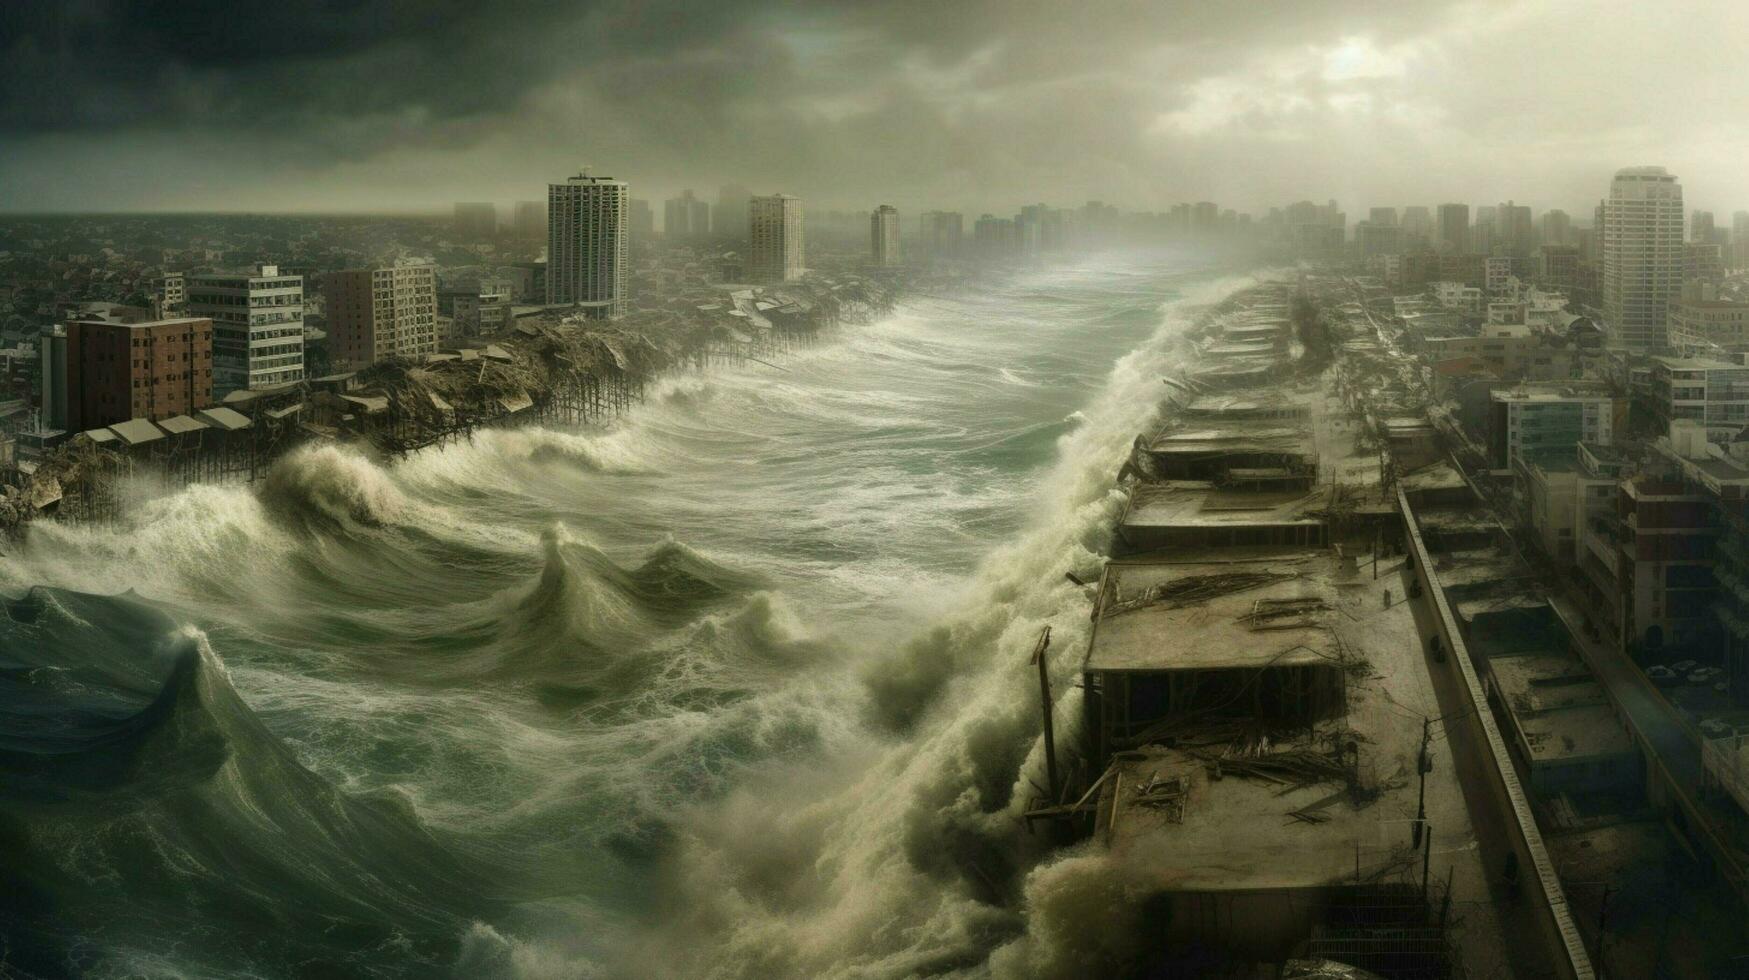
(309, 106)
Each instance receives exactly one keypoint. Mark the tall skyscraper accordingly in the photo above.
(730, 215)
(884, 235)
(1557, 227)
(1740, 240)
(1417, 225)
(1382, 217)
(685, 217)
(476, 220)
(530, 221)
(1700, 227)
(376, 314)
(1514, 229)
(1454, 228)
(586, 245)
(943, 231)
(774, 226)
(258, 326)
(642, 224)
(1642, 256)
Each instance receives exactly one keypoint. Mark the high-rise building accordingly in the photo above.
(883, 242)
(586, 245)
(1514, 229)
(995, 237)
(1382, 217)
(1700, 226)
(1740, 240)
(730, 215)
(149, 370)
(1417, 225)
(258, 326)
(943, 232)
(1557, 227)
(476, 220)
(642, 223)
(1703, 262)
(774, 226)
(169, 294)
(1642, 256)
(1454, 228)
(376, 314)
(685, 217)
(530, 220)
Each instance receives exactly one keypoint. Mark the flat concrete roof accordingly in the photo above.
(1221, 614)
(1263, 434)
(1186, 503)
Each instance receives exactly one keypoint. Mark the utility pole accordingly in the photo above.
(1421, 767)
(1044, 689)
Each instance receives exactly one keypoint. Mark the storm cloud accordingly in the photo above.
(316, 104)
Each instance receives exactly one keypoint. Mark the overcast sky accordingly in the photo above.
(971, 104)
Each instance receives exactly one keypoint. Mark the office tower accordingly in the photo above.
(774, 226)
(642, 223)
(1483, 233)
(1454, 228)
(1382, 217)
(995, 237)
(149, 370)
(258, 326)
(376, 314)
(685, 217)
(530, 220)
(730, 217)
(1557, 227)
(883, 227)
(1740, 240)
(1700, 226)
(169, 294)
(1204, 217)
(1642, 256)
(586, 245)
(1417, 226)
(943, 232)
(476, 220)
(1378, 239)
(1514, 229)
(1703, 262)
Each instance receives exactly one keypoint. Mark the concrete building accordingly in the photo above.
(148, 370)
(1700, 227)
(484, 308)
(530, 220)
(1712, 392)
(258, 326)
(381, 313)
(1561, 724)
(883, 229)
(943, 233)
(1701, 319)
(169, 296)
(473, 221)
(1454, 228)
(1642, 256)
(1417, 225)
(1378, 239)
(1532, 423)
(730, 217)
(1703, 262)
(1557, 228)
(1515, 229)
(775, 247)
(994, 237)
(641, 226)
(685, 217)
(587, 261)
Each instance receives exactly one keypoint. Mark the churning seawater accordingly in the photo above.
(737, 687)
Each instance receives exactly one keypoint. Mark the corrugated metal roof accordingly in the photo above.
(137, 431)
(179, 424)
(221, 417)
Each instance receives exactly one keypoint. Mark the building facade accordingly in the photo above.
(1642, 256)
(685, 217)
(587, 258)
(884, 235)
(376, 314)
(149, 370)
(258, 326)
(775, 238)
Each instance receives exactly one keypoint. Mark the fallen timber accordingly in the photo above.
(547, 369)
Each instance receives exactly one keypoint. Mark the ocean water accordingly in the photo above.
(737, 687)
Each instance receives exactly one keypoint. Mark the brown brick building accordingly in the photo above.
(148, 370)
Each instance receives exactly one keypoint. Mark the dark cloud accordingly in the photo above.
(977, 103)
